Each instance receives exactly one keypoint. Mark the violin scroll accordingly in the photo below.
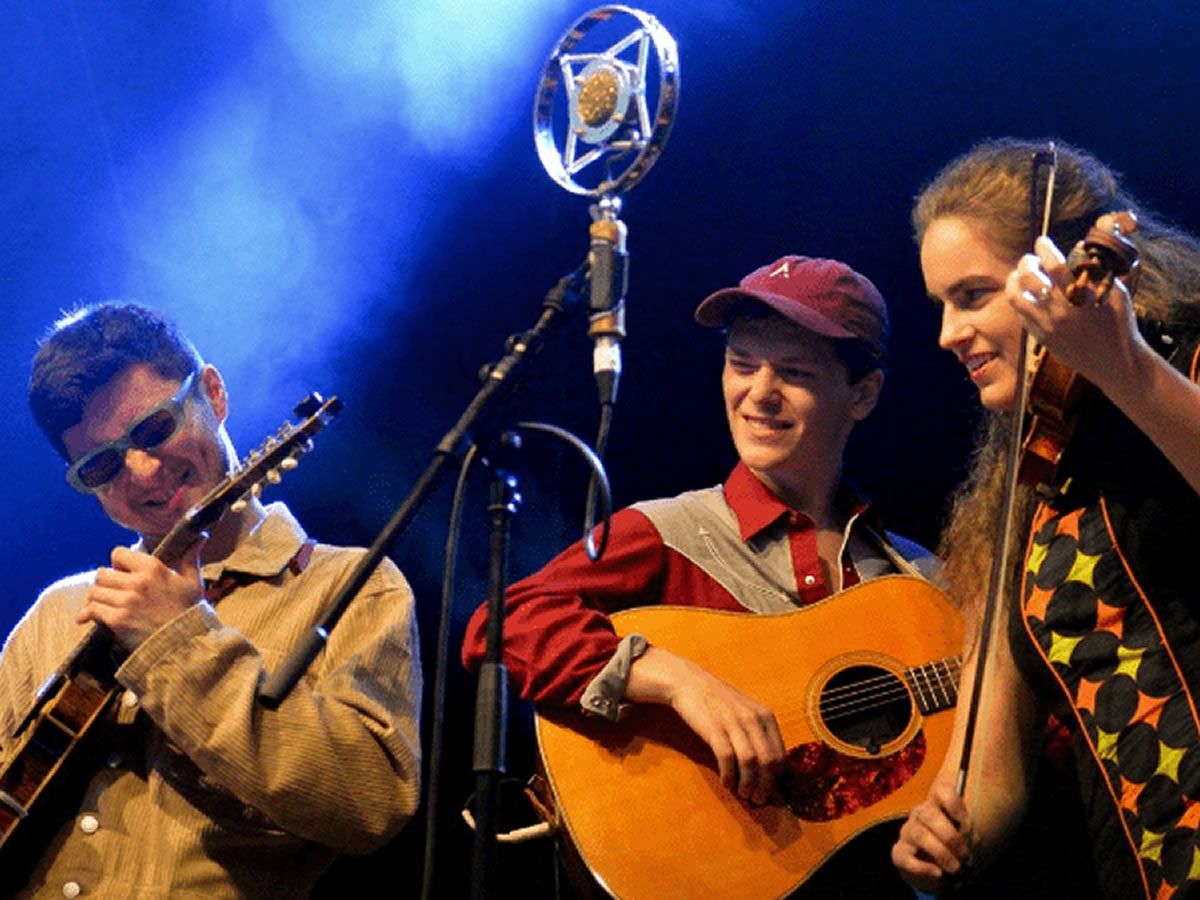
(1056, 391)
(1105, 254)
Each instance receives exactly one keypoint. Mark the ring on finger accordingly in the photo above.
(1044, 294)
(1029, 297)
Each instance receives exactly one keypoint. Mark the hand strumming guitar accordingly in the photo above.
(742, 733)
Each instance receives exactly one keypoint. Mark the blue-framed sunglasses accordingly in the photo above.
(92, 471)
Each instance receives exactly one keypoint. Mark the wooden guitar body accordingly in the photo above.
(862, 684)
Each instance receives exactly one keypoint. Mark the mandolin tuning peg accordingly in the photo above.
(273, 476)
(238, 506)
(256, 491)
(308, 405)
(289, 463)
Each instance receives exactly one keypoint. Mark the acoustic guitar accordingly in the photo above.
(49, 757)
(862, 685)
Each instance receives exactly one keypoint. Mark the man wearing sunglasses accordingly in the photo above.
(101, 465)
(200, 792)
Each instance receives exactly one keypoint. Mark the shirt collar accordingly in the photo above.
(756, 506)
(265, 550)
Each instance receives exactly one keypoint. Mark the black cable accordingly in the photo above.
(437, 734)
(594, 550)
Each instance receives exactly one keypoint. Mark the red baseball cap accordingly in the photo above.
(823, 295)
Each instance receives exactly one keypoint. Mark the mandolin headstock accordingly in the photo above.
(264, 465)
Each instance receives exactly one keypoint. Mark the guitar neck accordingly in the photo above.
(935, 684)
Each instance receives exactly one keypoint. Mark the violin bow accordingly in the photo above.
(1001, 570)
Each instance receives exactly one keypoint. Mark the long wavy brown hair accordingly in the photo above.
(989, 187)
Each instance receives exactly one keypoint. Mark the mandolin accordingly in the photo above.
(46, 754)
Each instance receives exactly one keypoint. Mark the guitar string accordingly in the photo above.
(879, 701)
(881, 690)
(953, 667)
(875, 701)
(872, 701)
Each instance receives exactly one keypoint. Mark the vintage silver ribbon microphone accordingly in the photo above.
(595, 136)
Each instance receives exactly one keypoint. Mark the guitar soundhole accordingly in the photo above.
(866, 706)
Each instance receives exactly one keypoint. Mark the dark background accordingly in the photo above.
(349, 199)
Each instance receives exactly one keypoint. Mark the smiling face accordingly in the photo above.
(156, 486)
(790, 405)
(963, 275)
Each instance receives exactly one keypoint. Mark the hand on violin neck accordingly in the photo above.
(1100, 342)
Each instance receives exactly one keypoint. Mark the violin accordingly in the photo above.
(1055, 390)
(1051, 393)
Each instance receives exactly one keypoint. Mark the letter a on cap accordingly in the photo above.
(783, 269)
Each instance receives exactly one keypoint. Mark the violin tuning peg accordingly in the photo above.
(1124, 222)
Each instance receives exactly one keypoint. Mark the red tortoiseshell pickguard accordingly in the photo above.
(821, 784)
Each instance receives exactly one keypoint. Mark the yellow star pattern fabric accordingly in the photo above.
(1114, 663)
(1083, 569)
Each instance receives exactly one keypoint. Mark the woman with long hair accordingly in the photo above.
(1102, 625)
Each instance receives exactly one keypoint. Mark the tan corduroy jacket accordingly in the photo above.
(204, 793)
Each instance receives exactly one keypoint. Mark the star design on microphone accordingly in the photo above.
(599, 98)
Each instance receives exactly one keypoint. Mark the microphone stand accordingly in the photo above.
(491, 698)
(499, 377)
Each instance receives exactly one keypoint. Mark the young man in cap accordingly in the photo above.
(805, 341)
(199, 791)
